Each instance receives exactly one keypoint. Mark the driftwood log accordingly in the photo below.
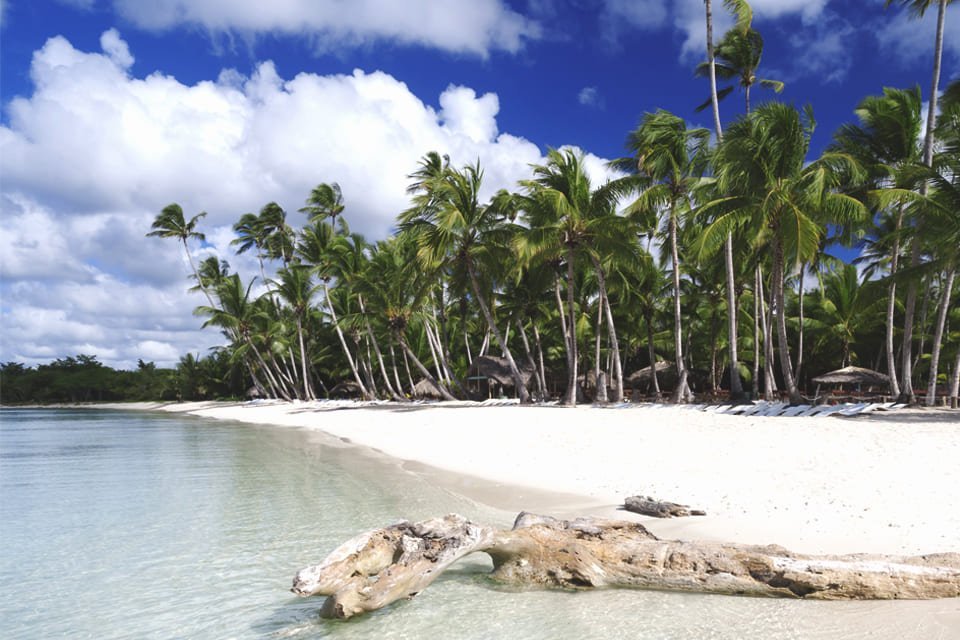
(647, 506)
(384, 565)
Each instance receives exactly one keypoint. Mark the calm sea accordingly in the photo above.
(118, 524)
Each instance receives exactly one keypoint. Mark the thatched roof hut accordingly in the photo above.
(854, 376)
(426, 389)
(498, 370)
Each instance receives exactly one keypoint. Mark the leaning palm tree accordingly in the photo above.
(454, 230)
(295, 288)
(761, 165)
(672, 158)
(170, 223)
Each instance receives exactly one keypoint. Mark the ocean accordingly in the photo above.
(124, 524)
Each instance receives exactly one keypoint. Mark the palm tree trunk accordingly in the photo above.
(572, 356)
(423, 370)
(600, 383)
(652, 352)
(906, 392)
(514, 371)
(796, 371)
(530, 361)
(766, 319)
(682, 392)
(542, 370)
(921, 329)
(891, 306)
(778, 301)
(955, 382)
(756, 332)
(938, 338)
(343, 343)
(307, 389)
(714, 101)
(393, 365)
(611, 330)
(736, 385)
(437, 363)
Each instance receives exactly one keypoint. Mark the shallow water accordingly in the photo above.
(121, 524)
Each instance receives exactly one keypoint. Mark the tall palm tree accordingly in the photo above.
(918, 9)
(737, 57)
(761, 164)
(672, 158)
(295, 287)
(885, 143)
(567, 218)
(453, 229)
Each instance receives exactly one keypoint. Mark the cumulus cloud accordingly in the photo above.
(822, 49)
(476, 27)
(95, 153)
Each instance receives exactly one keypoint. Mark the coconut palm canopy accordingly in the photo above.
(853, 375)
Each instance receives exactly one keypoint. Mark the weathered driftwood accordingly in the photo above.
(384, 565)
(647, 506)
(381, 566)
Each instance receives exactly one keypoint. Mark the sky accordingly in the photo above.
(112, 109)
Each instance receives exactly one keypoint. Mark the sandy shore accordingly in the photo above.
(885, 483)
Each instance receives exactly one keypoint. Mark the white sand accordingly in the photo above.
(887, 483)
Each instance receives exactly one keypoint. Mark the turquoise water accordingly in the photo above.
(119, 524)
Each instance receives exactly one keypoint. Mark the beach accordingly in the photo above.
(880, 483)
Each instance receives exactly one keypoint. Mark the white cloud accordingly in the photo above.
(116, 48)
(476, 27)
(94, 154)
(590, 97)
(823, 49)
(620, 16)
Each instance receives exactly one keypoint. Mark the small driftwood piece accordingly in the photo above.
(647, 506)
(384, 565)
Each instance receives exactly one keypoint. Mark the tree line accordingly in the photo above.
(701, 254)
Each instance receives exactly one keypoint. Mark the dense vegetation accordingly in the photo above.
(84, 379)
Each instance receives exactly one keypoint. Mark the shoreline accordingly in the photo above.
(881, 483)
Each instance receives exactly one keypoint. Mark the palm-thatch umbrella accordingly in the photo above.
(853, 376)
(645, 375)
(426, 389)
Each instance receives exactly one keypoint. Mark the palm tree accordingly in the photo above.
(738, 56)
(454, 230)
(885, 143)
(846, 308)
(170, 223)
(672, 158)
(761, 165)
(296, 289)
(325, 202)
(918, 8)
(567, 218)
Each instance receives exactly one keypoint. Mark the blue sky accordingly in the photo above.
(111, 109)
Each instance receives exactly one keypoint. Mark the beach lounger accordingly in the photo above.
(773, 410)
(755, 409)
(738, 409)
(796, 410)
(852, 410)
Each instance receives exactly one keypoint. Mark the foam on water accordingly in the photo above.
(133, 525)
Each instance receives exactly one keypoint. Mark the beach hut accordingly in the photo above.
(490, 373)
(346, 389)
(853, 378)
(642, 379)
